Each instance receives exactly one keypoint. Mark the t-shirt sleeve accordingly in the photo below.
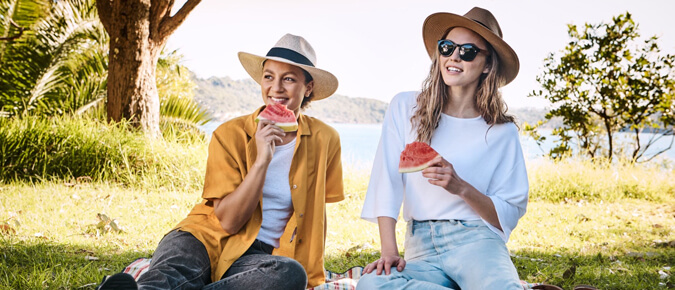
(509, 191)
(385, 189)
(334, 183)
(223, 169)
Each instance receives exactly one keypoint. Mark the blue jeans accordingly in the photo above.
(450, 254)
(181, 262)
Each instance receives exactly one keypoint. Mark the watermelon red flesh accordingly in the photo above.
(282, 117)
(415, 157)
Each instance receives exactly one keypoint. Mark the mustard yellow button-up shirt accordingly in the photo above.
(315, 178)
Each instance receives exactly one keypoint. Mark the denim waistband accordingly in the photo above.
(434, 221)
(412, 224)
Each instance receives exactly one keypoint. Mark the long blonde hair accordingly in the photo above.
(434, 97)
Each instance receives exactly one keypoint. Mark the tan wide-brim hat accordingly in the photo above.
(480, 21)
(295, 50)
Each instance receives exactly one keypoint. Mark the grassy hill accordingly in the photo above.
(226, 98)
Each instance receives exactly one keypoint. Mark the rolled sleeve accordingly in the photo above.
(385, 189)
(510, 195)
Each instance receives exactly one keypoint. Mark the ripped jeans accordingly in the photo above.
(181, 262)
(449, 254)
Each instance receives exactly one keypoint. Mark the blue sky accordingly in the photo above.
(375, 47)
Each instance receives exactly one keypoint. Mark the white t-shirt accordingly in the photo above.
(488, 158)
(277, 206)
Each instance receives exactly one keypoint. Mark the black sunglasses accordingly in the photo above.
(467, 51)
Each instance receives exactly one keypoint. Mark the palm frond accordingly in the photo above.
(185, 109)
(176, 91)
(23, 13)
(63, 66)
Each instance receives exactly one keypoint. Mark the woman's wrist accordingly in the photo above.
(388, 251)
(465, 190)
(260, 165)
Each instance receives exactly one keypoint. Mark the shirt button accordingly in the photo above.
(301, 215)
(295, 186)
(299, 241)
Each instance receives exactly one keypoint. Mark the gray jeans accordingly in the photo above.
(181, 262)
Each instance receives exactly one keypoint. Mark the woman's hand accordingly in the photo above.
(266, 136)
(385, 263)
(441, 173)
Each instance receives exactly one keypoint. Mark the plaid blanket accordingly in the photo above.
(334, 281)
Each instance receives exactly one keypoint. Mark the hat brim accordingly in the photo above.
(438, 23)
(325, 83)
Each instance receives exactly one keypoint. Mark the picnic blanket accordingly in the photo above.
(335, 281)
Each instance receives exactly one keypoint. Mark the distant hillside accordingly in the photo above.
(226, 98)
(532, 116)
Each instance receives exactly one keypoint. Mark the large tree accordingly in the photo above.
(138, 31)
(608, 82)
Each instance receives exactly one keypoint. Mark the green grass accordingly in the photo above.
(621, 244)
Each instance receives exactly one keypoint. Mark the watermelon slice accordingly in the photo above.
(282, 117)
(415, 157)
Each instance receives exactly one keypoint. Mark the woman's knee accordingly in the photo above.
(371, 281)
(290, 274)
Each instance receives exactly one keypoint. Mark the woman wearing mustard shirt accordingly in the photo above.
(262, 222)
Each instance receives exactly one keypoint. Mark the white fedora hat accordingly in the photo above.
(295, 50)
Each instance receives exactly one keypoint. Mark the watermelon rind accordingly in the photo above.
(277, 109)
(287, 127)
(417, 168)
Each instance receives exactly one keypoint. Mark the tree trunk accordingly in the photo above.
(132, 91)
(138, 31)
(610, 141)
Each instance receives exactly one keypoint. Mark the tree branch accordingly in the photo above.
(159, 9)
(169, 24)
(21, 30)
(104, 8)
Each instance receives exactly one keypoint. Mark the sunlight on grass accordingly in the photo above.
(614, 226)
(583, 179)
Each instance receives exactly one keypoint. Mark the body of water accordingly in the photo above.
(359, 143)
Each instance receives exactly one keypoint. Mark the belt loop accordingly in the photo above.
(411, 227)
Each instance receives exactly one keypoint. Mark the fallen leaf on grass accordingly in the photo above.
(6, 229)
(105, 225)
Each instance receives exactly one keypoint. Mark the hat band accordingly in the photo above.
(481, 23)
(289, 55)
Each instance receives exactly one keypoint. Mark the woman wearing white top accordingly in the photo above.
(462, 209)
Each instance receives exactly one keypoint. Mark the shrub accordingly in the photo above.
(33, 149)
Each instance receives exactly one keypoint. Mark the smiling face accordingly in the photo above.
(284, 84)
(458, 73)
